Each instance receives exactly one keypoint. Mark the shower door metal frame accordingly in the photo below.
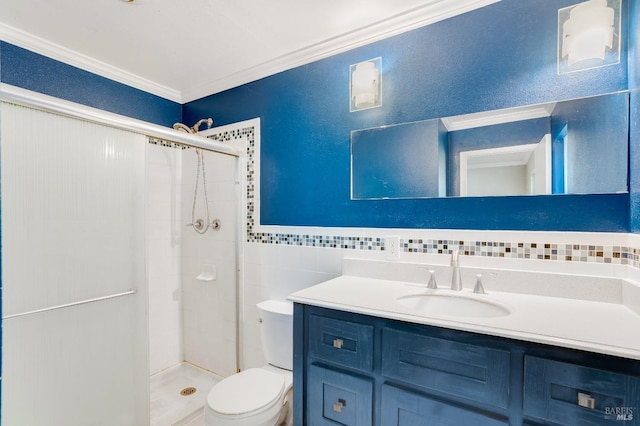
(19, 96)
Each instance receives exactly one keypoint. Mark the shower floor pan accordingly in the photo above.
(178, 395)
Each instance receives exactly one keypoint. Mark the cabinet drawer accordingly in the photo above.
(335, 396)
(400, 407)
(473, 372)
(342, 342)
(572, 394)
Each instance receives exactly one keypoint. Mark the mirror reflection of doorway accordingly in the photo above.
(512, 170)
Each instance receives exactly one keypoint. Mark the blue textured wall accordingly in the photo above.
(594, 142)
(29, 70)
(407, 167)
(499, 56)
(634, 125)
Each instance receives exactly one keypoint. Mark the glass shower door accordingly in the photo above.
(73, 272)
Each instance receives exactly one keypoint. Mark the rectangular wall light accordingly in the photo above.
(365, 84)
(588, 35)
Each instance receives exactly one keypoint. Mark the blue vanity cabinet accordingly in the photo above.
(339, 397)
(352, 369)
(404, 408)
(460, 370)
(338, 392)
(357, 370)
(343, 342)
(564, 393)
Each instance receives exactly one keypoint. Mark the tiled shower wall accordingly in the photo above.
(191, 319)
(209, 313)
(164, 254)
(280, 260)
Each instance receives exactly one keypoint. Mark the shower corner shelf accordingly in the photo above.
(207, 273)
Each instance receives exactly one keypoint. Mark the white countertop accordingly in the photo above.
(606, 328)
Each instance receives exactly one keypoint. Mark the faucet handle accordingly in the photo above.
(432, 278)
(479, 288)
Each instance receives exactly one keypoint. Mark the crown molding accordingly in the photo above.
(434, 11)
(51, 50)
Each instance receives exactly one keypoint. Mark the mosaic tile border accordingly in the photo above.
(567, 252)
(166, 144)
(522, 250)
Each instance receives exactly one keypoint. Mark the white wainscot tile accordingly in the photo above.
(330, 260)
(253, 356)
(301, 257)
(253, 294)
(252, 274)
(253, 253)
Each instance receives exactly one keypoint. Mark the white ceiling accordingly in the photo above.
(183, 50)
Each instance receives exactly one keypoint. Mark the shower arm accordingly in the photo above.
(182, 127)
(196, 127)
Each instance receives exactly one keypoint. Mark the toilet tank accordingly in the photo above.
(276, 330)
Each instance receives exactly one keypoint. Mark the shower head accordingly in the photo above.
(208, 121)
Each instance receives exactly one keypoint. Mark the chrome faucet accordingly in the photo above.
(456, 282)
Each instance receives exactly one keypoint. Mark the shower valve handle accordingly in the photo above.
(199, 224)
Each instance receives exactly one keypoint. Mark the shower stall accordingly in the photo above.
(192, 242)
(107, 287)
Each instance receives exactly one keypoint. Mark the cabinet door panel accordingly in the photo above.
(342, 342)
(403, 408)
(336, 397)
(458, 369)
(574, 394)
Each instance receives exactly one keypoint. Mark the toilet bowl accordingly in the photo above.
(260, 396)
(254, 397)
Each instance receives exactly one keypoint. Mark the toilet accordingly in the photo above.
(260, 396)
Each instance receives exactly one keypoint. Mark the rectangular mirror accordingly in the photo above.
(571, 147)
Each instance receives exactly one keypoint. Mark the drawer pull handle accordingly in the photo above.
(338, 406)
(337, 343)
(586, 401)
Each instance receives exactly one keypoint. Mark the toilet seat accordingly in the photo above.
(246, 394)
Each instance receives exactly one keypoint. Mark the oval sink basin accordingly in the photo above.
(452, 305)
